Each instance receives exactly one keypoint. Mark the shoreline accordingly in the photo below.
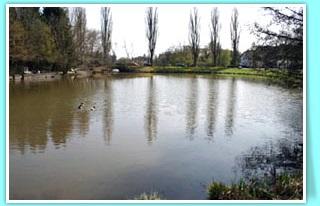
(282, 77)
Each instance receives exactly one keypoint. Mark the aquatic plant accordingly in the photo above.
(150, 196)
(284, 187)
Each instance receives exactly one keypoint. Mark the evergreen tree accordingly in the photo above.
(58, 20)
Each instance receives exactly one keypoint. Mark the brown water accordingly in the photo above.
(171, 134)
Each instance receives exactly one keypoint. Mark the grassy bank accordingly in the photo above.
(283, 187)
(149, 196)
(293, 79)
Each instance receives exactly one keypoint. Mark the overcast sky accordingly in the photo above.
(129, 25)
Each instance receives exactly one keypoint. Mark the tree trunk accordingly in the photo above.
(194, 60)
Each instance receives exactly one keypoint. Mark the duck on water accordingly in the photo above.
(81, 106)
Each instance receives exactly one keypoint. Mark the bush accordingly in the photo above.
(284, 187)
(151, 196)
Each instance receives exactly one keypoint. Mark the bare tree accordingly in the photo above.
(291, 22)
(79, 21)
(288, 39)
(92, 42)
(106, 31)
(152, 31)
(219, 51)
(126, 49)
(215, 28)
(194, 38)
(235, 36)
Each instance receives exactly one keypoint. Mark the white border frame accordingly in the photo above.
(155, 201)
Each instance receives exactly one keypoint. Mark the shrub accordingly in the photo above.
(151, 196)
(284, 187)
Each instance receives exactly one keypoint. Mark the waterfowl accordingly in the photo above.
(81, 105)
(93, 108)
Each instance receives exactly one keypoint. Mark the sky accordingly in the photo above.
(129, 25)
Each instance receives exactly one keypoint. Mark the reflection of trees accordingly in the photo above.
(211, 108)
(151, 112)
(84, 87)
(65, 108)
(192, 102)
(231, 101)
(21, 123)
(271, 159)
(291, 114)
(40, 111)
(83, 118)
(61, 124)
(108, 112)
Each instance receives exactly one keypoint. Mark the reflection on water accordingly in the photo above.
(192, 107)
(151, 112)
(164, 133)
(40, 116)
(272, 158)
(212, 108)
(230, 108)
(108, 112)
(83, 118)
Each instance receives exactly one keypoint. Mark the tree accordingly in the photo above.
(215, 27)
(31, 41)
(93, 48)
(40, 39)
(219, 50)
(28, 21)
(17, 41)
(288, 39)
(225, 57)
(106, 31)
(43, 44)
(235, 36)
(79, 21)
(194, 38)
(151, 31)
(92, 42)
(129, 53)
(58, 20)
(175, 56)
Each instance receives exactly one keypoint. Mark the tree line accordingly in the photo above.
(217, 53)
(57, 39)
(280, 48)
(40, 39)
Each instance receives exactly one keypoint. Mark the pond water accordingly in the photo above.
(171, 134)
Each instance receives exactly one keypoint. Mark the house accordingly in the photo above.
(261, 57)
(250, 59)
(246, 59)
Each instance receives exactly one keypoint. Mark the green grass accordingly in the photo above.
(280, 76)
(151, 196)
(284, 187)
(175, 69)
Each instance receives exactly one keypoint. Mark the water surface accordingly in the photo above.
(172, 134)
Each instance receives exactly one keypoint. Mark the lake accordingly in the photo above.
(171, 134)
